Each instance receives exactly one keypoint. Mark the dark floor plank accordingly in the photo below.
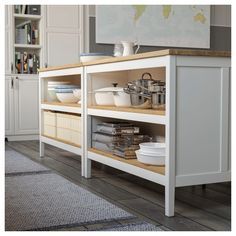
(156, 213)
(107, 189)
(132, 188)
(209, 194)
(58, 154)
(204, 204)
(222, 188)
(196, 201)
(68, 158)
(204, 218)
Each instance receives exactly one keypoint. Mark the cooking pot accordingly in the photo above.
(157, 86)
(158, 100)
(110, 96)
(138, 100)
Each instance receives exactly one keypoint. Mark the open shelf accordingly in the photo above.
(64, 107)
(132, 166)
(71, 147)
(127, 113)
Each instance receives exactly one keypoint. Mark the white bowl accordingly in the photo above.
(150, 159)
(159, 152)
(52, 97)
(77, 93)
(92, 58)
(152, 147)
(67, 98)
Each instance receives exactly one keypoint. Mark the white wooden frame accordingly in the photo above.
(170, 180)
(76, 110)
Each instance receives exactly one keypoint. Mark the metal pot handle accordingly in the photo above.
(126, 90)
(146, 73)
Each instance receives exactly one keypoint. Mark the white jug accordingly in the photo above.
(129, 48)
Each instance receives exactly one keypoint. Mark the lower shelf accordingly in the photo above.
(132, 166)
(63, 107)
(70, 147)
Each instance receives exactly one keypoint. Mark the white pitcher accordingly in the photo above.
(129, 48)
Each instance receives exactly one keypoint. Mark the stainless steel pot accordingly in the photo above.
(138, 99)
(158, 99)
(157, 86)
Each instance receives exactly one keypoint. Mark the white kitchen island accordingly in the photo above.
(196, 119)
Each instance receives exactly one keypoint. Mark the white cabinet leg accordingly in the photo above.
(169, 201)
(41, 149)
(82, 165)
(87, 168)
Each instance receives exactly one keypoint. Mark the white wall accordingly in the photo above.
(220, 14)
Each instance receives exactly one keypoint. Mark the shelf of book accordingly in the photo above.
(27, 45)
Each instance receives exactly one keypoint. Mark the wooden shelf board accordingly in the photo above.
(31, 46)
(129, 109)
(62, 104)
(134, 162)
(62, 141)
(67, 66)
(27, 16)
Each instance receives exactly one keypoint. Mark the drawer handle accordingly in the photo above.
(12, 82)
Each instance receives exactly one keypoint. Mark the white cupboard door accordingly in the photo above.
(202, 120)
(62, 34)
(26, 105)
(8, 41)
(9, 112)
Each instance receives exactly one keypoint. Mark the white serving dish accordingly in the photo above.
(121, 99)
(112, 96)
(150, 159)
(92, 58)
(152, 147)
(104, 97)
(67, 98)
(86, 57)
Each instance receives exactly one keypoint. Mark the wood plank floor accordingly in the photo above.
(197, 208)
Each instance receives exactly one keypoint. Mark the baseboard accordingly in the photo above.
(22, 137)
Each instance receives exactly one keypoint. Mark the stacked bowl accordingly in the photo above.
(52, 97)
(68, 93)
(151, 153)
(64, 91)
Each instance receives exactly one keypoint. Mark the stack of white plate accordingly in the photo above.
(151, 153)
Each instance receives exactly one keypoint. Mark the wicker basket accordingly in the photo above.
(49, 127)
(69, 128)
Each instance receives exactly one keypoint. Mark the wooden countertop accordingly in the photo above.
(68, 66)
(159, 53)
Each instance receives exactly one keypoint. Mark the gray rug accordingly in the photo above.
(39, 202)
(36, 199)
(135, 227)
(16, 163)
